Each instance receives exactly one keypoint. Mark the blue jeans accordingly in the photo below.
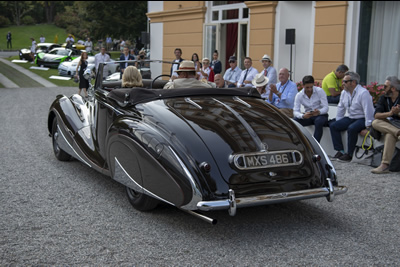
(353, 127)
(318, 122)
(333, 99)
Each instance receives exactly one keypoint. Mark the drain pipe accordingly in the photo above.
(201, 216)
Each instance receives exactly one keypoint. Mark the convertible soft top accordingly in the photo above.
(138, 95)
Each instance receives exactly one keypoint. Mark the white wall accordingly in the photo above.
(352, 29)
(156, 38)
(299, 16)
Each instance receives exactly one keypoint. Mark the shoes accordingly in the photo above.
(380, 170)
(338, 155)
(346, 158)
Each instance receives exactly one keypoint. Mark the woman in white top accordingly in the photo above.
(206, 71)
(33, 49)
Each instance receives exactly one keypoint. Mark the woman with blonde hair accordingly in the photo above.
(131, 77)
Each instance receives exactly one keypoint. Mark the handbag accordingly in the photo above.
(375, 133)
(363, 155)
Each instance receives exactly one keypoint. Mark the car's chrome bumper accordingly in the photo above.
(232, 203)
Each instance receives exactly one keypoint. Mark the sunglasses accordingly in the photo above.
(344, 81)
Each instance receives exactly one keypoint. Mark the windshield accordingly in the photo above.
(60, 52)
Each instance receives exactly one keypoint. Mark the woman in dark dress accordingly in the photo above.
(83, 83)
(216, 65)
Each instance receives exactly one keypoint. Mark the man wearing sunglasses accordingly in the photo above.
(357, 101)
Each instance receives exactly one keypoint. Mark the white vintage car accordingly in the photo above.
(68, 68)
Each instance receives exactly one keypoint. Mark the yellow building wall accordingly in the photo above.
(262, 30)
(183, 28)
(329, 37)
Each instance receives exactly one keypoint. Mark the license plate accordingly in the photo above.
(262, 160)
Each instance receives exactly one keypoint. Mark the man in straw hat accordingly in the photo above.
(315, 106)
(186, 77)
(260, 83)
(269, 71)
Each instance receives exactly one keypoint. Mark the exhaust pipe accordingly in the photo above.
(201, 216)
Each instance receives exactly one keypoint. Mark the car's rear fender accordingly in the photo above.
(152, 165)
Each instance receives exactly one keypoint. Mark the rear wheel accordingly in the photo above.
(55, 135)
(141, 201)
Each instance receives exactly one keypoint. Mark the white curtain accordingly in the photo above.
(384, 43)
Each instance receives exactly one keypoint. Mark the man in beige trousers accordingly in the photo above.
(388, 111)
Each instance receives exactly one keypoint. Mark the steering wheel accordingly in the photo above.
(159, 76)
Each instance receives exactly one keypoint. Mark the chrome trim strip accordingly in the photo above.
(196, 194)
(241, 101)
(112, 108)
(270, 198)
(260, 145)
(190, 101)
(66, 146)
(124, 178)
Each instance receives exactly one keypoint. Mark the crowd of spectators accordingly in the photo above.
(356, 113)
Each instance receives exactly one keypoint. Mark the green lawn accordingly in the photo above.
(18, 78)
(21, 35)
(46, 74)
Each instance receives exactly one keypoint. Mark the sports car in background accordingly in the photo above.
(24, 54)
(196, 149)
(77, 46)
(53, 58)
(68, 68)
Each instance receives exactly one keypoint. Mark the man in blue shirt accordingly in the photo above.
(282, 94)
(232, 74)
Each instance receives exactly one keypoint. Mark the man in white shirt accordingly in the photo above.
(88, 46)
(42, 39)
(357, 101)
(315, 106)
(269, 72)
(248, 74)
(70, 39)
(175, 67)
(102, 57)
(232, 74)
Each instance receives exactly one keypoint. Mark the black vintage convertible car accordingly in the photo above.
(196, 149)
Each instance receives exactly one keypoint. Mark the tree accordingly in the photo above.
(50, 9)
(19, 9)
(115, 19)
